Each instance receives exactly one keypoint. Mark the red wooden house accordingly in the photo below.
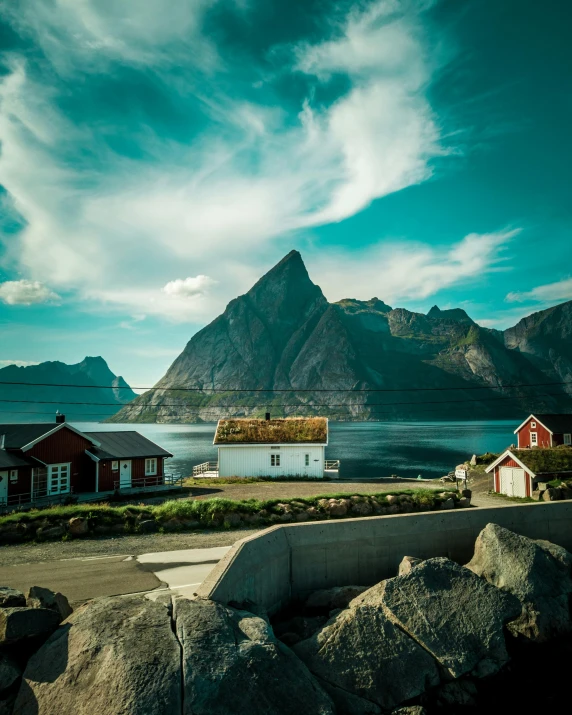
(518, 471)
(544, 431)
(42, 462)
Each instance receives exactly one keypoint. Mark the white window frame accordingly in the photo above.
(57, 482)
(151, 467)
(533, 425)
(534, 439)
(274, 460)
(13, 475)
(306, 460)
(114, 466)
(568, 439)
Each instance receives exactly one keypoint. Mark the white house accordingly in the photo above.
(290, 447)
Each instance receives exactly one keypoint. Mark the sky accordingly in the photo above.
(157, 157)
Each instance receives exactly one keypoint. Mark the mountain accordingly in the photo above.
(282, 347)
(103, 391)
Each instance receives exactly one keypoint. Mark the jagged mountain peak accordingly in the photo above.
(456, 314)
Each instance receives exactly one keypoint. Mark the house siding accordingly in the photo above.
(254, 461)
(63, 447)
(23, 485)
(541, 431)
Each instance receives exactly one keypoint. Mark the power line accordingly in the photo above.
(291, 389)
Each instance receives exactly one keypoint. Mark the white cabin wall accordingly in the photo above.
(254, 461)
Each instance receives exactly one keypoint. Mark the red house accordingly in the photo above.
(544, 431)
(44, 462)
(517, 472)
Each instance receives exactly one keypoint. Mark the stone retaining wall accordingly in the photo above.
(289, 562)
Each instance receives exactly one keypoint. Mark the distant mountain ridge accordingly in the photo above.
(284, 335)
(91, 381)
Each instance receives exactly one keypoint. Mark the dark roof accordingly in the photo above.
(292, 430)
(558, 424)
(546, 460)
(125, 445)
(17, 436)
(9, 460)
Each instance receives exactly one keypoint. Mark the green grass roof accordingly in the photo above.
(294, 430)
(546, 460)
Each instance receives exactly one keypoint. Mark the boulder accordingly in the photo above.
(392, 499)
(148, 526)
(551, 494)
(466, 493)
(113, 655)
(407, 563)
(448, 503)
(410, 710)
(455, 615)
(464, 502)
(538, 573)
(336, 508)
(39, 597)
(362, 508)
(301, 516)
(233, 663)
(362, 653)
(536, 495)
(78, 526)
(9, 673)
(10, 597)
(50, 532)
(302, 626)
(21, 622)
(327, 599)
(286, 517)
(565, 492)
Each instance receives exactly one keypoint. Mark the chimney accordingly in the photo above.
(60, 419)
(268, 416)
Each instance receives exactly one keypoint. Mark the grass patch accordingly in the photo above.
(546, 460)
(292, 429)
(520, 500)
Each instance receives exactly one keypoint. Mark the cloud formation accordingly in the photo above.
(188, 287)
(25, 292)
(219, 202)
(551, 292)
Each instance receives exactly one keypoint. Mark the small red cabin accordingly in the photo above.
(40, 462)
(544, 431)
(517, 472)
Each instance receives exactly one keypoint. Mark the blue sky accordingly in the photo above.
(157, 158)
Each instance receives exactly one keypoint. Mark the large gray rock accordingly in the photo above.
(233, 663)
(9, 673)
(452, 613)
(10, 597)
(39, 597)
(19, 623)
(113, 655)
(363, 653)
(408, 563)
(537, 572)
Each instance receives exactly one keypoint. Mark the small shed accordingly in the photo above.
(544, 431)
(289, 447)
(517, 472)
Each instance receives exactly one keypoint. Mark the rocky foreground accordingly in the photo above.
(438, 637)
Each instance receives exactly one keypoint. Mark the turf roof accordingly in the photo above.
(546, 460)
(291, 430)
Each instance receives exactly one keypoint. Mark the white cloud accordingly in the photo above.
(18, 363)
(220, 204)
(26, 292)
(559, 291)
(188, 287)
(400, 271)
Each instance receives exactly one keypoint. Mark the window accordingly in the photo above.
(533, 425)
(274, 460)
(114, 466)
(13, 475)
(306, 460)
(58, 478)
(150, 467)
(533, 439)
(567, 439)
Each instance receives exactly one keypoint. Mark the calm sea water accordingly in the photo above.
(367, 450)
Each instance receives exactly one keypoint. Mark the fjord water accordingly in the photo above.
(367, 450)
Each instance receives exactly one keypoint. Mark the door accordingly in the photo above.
(513, 482)
(124, 473)
(3, 487)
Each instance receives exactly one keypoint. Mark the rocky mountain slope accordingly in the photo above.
(283, 347)
(37, 402)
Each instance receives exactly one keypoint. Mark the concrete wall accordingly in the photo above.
(254, 461)
(288, 562)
